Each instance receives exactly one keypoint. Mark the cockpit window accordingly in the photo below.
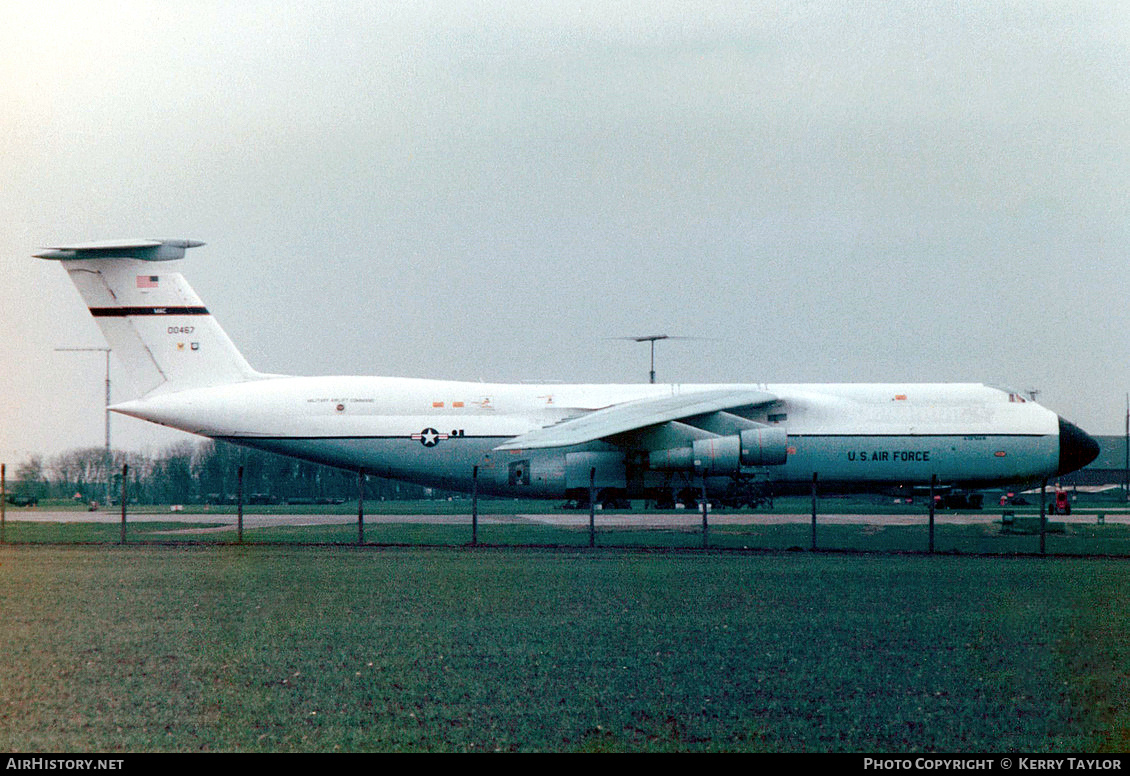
(1015, 396)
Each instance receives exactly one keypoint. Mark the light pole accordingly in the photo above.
(109, 460)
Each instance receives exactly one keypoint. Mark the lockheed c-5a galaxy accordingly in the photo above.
(553, 441)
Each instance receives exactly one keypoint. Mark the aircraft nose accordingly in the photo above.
(1077, 448)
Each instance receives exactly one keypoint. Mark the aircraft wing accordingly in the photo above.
(634, 416)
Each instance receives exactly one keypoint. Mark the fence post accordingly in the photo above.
(592, 507)
(705, 527)
(933, 483)
(475, 506)
(3, 498)
(239, 503)
(125, 474)
(1043, 514)
(361, 506)
(814, 511)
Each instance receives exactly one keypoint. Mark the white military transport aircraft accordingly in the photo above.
(553, 441)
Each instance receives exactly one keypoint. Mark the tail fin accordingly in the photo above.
(155, 324)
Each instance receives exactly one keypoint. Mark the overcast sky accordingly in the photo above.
(830, 192)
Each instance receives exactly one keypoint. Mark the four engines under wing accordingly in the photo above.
(682, 432)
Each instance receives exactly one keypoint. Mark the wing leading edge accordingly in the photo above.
(634, 416)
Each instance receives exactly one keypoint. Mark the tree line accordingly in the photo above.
(195, 473)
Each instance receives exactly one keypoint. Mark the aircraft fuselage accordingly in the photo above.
(437, 432)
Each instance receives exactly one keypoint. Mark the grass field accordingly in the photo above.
(229, 648)
(1076, 539)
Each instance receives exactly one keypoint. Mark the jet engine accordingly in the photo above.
(763, 446)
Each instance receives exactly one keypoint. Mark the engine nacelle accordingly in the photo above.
(674, 459)
(763, 446)
(718, 455)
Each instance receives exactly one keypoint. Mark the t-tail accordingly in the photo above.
(162, 334)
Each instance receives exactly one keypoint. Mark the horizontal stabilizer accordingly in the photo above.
(144, 250)
(155, 324)
(634, 415)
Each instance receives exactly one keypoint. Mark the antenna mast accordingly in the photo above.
(651, 338)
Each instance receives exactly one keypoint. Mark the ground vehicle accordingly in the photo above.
(22, 501)
(960, 500)
(1061, 505)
